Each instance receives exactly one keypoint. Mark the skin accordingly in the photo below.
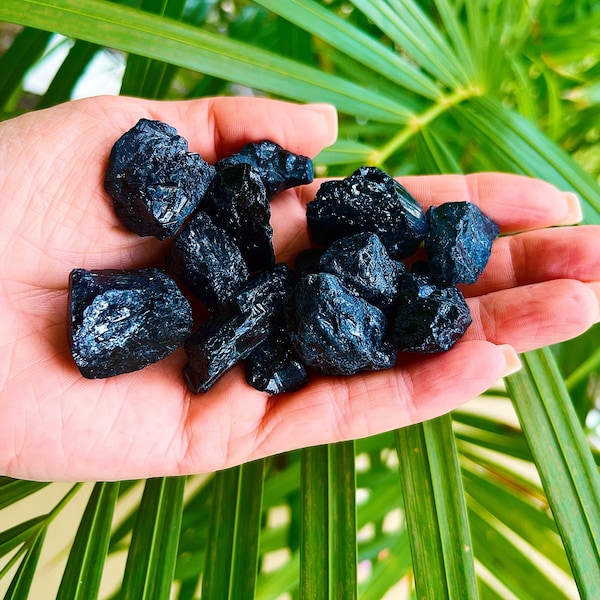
(541, 286)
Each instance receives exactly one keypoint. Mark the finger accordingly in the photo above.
(537, 315)
(217, 127)
(344, 408)
(535, 256)
(514, 202)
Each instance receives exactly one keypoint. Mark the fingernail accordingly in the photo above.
(595, 287)
(574, 213)
(513, 364)
(329, 114)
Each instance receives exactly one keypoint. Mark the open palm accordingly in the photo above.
(540, 287)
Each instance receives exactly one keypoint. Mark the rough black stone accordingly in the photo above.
(274, 366)
(335, 331)
(155, 183)
(459, 242)
(363, 265)
(308, 261)
(249, 317)
(264, 294)
(218, 344)
(429, 318)
(367, 201)
(121, 321)
(205, 258)
(237, 201)
(420, 267)
(279, 169)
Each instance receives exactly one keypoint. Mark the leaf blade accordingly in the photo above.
(186, 46)
(247, 531)
(342, 521)
(564, 462)
(353, 42)
(216, 581)
(436, 511)
(21, 582)
(153, 551)
(314, 535)
(83, 572)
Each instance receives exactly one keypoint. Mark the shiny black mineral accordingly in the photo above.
(367, 201)
(363, 265)
(121, 321)
(264, 294)
(459, 242)
(308, 261)
(247, 320)
(274, 366)
(335, 331)
(429, 317)
(279, 169)
(218, 344)
(237, 201)
(155, 183)
(205, 258)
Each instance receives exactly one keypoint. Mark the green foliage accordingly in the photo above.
(423, 86)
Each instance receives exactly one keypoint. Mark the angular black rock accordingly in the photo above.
(155, 183)
(458, 242)
(420, 267)
(335, 331)
(363, 265)
(205, 258)
(218, 344)
(279, 169)
(264, 294)
(274, 366)
(308, 261)
(237, 201)
(367, 201)
(247, 319)
(121, 321)
(429, 318)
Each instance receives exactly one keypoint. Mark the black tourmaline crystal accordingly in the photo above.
(367, 201)
(205, 258)
(308, 261)
(121, 321)
(279, 169)
(218, 344)
(429, 318)
(335, 331)
(363, 265)
(264, 294)
(248, 319)
(459, 242)
(155, 183)
(274, 366)
(237, 201)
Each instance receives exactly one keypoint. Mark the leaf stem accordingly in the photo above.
(583, 370)
(63, 502)
(418, 122)
(41, 527)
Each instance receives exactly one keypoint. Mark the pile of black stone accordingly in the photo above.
(350, 305)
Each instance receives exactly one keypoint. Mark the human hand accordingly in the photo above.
(540, 287)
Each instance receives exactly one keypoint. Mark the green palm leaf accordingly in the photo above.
(134, 31)
(564, 461)
(83, 572)
(436, 511)
(153, 551)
